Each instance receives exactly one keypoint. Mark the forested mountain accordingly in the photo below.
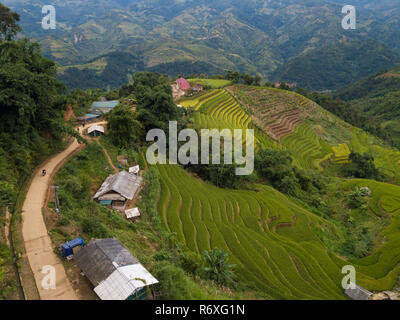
(32, 104)
(377, 97)
(337, 64)
(254, 36)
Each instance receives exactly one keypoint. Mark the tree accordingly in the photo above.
(362, 166)
(233, 76)
(247, 79)
(123, 127)
(284, 86)
(273, 165)
(7, 194)
(8, 24)
(30, 95)
(156, 105)
(217, 266)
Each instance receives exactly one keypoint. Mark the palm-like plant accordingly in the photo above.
(217, 266)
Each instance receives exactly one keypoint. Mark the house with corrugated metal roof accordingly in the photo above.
(113, 271)
(117, 189)
(96, 131)
(355, 292)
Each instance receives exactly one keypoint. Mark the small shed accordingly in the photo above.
(134, 170)
(114, 272)
(118, 188)
(132, 213)
(198, 87)
(358, 293)
(96, 131)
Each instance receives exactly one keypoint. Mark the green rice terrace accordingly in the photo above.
(273, 241)
(279, 246)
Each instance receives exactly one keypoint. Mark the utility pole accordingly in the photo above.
(56, 202)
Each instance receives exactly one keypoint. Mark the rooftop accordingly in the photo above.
(105, 104)
(183, 84)
(358, 293)
(101, 257)
(122, 183)
(96, 128)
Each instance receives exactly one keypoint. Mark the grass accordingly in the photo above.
(205, 217)
(307, 148)
(282, 259)
(342, 153)
(279, 247)
(211, 83)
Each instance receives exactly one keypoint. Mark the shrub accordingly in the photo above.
(217, 266)
(191, 262)
(357, 199)
(174, 284)
(94, 228)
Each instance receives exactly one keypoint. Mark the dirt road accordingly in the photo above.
(39, 248)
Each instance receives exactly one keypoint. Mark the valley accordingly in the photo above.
(80, 107)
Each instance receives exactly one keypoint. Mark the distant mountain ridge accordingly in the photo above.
(253, 36)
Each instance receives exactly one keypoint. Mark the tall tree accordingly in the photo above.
(8, 24)
(125, 131)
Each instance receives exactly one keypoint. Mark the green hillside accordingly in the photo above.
(317, 132)
(336, 65)
(274, 242)
(280, 245)
(376, 97)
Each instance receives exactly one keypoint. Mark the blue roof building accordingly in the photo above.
(100, 107)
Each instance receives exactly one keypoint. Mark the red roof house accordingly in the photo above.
(183, 84)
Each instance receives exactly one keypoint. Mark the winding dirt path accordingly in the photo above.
(108, 157)
(39, 248)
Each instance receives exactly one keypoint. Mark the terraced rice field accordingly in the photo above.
(221, 111)
(272, 240)
(388, 160)
(195, 103)
(342, 153)
(308, 148)
(275, 111)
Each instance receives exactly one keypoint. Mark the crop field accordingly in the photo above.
(307, 147)
(212, 83)
(388, 160)
(275, 111)
(196, 102)
(342, 153)
(220, 110)
(272, 240)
